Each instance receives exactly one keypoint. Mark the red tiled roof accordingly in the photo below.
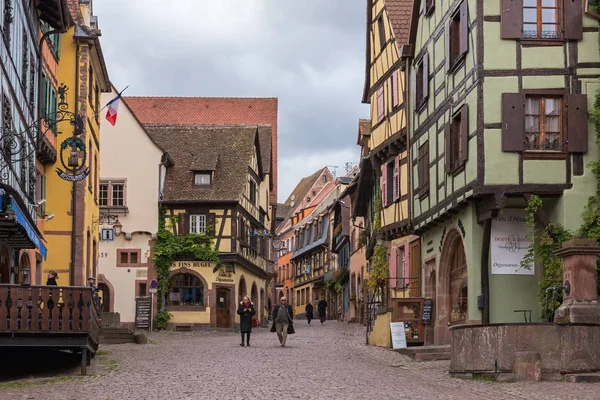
(400, 16)
(210, 111)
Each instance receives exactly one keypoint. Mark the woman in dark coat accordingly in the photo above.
(52, 277)
(309, 312)
(246, 312)
(322, 307)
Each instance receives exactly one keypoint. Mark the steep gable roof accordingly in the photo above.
(189, 145)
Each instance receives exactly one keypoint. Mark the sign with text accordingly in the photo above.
(509, 243)
(398, 335)
(143, 307)
(192, 264)
(427, 306)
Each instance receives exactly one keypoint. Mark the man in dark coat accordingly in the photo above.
(246, 312)
(322, 307)
(283, 322)
(309, 312)
(52, 277)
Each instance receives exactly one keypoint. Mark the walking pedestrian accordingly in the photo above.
(52, 277)
(322, 307)
(246, 312)
(309, 312)
(283, 322)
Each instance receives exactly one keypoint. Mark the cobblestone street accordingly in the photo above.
(320, 362)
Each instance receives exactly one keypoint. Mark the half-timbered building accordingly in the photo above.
(498, 112)
(219, 184)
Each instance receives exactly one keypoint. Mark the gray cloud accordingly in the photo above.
(308, 53)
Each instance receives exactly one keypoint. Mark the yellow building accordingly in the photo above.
(72, 232)
(217, 190)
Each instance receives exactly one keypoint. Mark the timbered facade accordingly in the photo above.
(219, 184)
(386, 89)
(498, 112)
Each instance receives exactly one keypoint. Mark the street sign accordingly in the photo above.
(107, 234)
(153, 290)
(153, 284)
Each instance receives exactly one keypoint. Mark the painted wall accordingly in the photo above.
(142, 188)
(381, 335)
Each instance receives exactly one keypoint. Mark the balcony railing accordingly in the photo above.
(50, 310)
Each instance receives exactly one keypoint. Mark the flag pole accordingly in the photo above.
(118, 95)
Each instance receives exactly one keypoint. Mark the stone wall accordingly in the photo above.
(381, 335)
(562, 348)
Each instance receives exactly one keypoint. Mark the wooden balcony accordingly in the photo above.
(59, 317)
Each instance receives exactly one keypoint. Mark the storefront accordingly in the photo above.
(203, 294)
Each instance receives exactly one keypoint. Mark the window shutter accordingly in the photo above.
(180, 224)
(396, 178)
(380, 105)
(573, 19)
(414, 85)
(577, 123)
(464, 27)
(448, 147)
(383, 187)
(447, 36)
(425, 163)
(425, 76)
(464, 134)
(393, 265)
(394, 88)
(513, 121)
(211, 224)
(512, 19)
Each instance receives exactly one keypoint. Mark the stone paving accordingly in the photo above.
(320, 362)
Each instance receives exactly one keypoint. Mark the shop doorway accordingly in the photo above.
(104, 297)
(452, 296)
(223, 312)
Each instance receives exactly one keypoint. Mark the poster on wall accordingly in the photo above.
(509, 243)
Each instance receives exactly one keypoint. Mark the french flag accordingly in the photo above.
(113, 108)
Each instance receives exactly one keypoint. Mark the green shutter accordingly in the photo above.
(44, 95)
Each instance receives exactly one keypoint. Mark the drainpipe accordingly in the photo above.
(408, 144)
(74, 190)
(485, 261)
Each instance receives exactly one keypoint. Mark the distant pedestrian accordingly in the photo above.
(309, 312)
(322, 307)
(246, 312)
(283, 321)
(52, 277)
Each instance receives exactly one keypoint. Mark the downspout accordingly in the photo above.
(408, 144)
(485, 261)
(74, 190)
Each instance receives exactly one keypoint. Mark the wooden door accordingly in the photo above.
(223, 312)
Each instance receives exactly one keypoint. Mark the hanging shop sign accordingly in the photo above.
(73, 153)
(509, 243)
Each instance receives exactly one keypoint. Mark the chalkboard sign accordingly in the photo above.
(426, 316)
(143, 305)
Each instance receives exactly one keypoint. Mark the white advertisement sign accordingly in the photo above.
(398, 335)
(509, 243)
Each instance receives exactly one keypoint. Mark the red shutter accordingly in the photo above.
(394, 88)
(180, 224)
(383, 187)
(573, 19)
(393, 265)
(513, 121)
(577, 123)
(511, 15)
(380, 110)
(425, 76)
(464, 27)
(396, 178)
(464, 134)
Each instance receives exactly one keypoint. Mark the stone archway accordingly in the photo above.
(254, 295)
(242, 290)
(451, 289)
(107, 294)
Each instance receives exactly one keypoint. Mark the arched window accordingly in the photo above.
(186, 290)
(458, 285)
(241, 289)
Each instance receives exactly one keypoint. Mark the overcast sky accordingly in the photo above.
(308, 53)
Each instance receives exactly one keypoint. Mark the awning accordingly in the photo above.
(17, 231)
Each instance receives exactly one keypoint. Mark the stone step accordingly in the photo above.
(583, 378)
(116, 336)
(413, 351)
(114, 340)
(432, 356)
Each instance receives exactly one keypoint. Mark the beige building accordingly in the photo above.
(129, 195)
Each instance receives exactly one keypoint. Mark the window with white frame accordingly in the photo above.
(112, 194)
(202, 179)
(197, 224)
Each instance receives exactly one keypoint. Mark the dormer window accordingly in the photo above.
(202, 179)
